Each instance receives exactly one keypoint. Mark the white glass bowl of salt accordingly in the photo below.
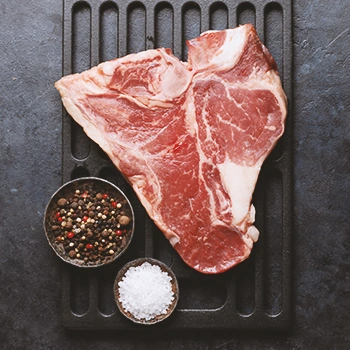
(146, 291)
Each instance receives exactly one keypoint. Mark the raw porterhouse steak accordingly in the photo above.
(189, 137)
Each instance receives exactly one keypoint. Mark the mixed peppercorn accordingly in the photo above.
(90, 226)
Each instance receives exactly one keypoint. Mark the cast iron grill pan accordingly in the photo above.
(257, 293)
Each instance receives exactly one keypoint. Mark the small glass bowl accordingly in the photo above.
(67, 191)
(164, 268)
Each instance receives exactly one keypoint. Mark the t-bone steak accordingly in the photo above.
(190, 137)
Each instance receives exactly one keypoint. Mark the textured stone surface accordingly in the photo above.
(30, 158)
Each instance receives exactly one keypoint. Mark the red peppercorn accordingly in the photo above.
(84, 195)
(85, 218)
(59, 219)
(118, 232)
(114, 204)
(70, 234)
(89, 246)
(105, 195)
(57, 214)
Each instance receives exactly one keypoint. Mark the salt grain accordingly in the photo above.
(146, 291)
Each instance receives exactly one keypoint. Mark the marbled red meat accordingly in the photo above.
(189, 137)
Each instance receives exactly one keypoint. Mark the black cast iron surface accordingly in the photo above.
(31, 170)
(254, 295)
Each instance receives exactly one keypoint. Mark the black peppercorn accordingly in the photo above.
(69, 225)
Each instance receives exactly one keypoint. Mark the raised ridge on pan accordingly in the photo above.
(256, 294)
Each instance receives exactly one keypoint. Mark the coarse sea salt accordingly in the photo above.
(146, 291)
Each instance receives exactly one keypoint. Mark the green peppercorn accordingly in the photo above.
(72, 254)
(62, 202)
(124, 220)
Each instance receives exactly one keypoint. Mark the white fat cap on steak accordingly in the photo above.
(239, 182)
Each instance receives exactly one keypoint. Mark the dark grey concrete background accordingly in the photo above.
(30, 163)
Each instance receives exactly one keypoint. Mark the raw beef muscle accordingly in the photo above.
(189, 137)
